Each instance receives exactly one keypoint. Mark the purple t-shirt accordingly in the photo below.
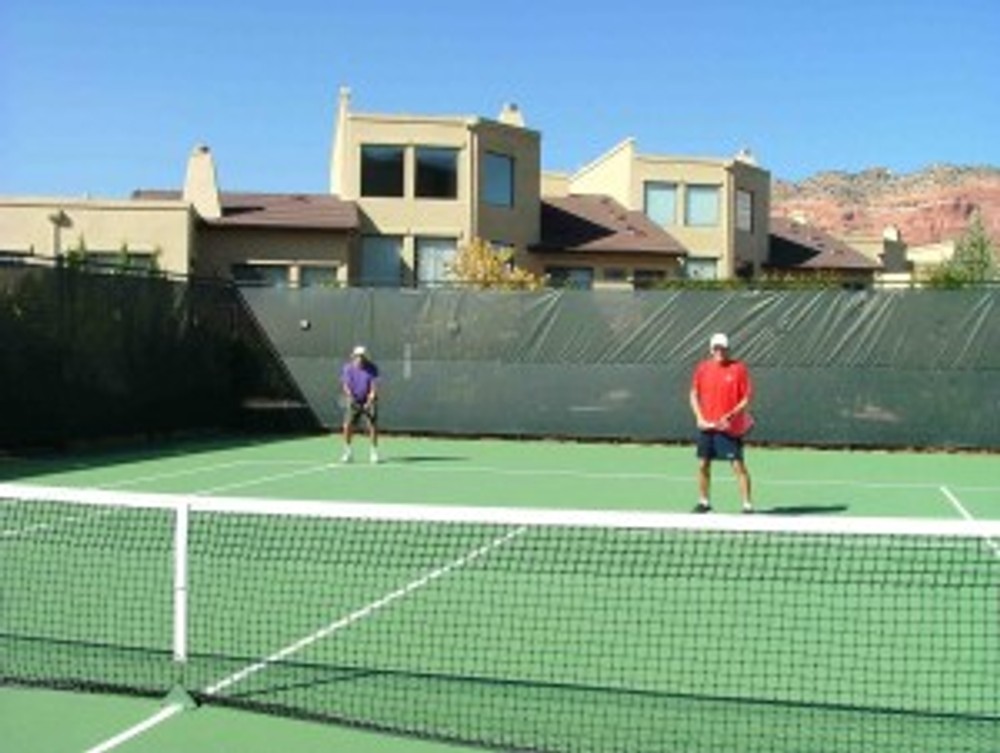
(358, 379)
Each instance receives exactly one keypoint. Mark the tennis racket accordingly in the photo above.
(739, 425)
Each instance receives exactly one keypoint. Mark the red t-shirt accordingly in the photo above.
(720, 387)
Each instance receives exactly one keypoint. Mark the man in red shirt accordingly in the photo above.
(720, 396)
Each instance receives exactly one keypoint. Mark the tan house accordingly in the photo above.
(426, 185)
(716, 209)
(802, 251)
(103, 232)
(293, 240)
(406, 192)
(593, 241)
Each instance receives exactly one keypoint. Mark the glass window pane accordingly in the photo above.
(744, 211)
(702, 206)
(317, 275)
(646, 279)
(498, 183)
(580, 278)
(382, 171)
(661, 203)
(267, 275)
(435, 257)
(437, 173)
(381, 261)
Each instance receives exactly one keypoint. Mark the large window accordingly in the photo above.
(580, 278)
(647, 279)
(702, 206)
(381, 261)
(435, 257)
(317, 275)
(498, 183)
(382, 171)
(744, 211)
(264, 275)
(121, 261)
(660, 202)
(437, 173)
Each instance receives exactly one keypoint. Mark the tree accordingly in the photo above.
(974, 259)
(486, 266)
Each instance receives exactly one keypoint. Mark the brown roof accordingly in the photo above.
(280, 210)
(581, 223)
(798, 245)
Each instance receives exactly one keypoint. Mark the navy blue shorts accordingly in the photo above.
(354, 411)
(715, 445)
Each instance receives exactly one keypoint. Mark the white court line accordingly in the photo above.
(366, 611)
(161, 716)
(543, 472)
(957, 504)
(173, 474)
(264, 479)
(650, 476)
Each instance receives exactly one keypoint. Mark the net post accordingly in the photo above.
(181, 521)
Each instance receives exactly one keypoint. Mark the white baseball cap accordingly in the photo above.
(359, 350)
(718, 340)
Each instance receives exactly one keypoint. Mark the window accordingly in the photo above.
(744, 211)
(615, 274)
(381, 261)
(580, 278)
(317, 275)
(646, 279)
(437, 173)
(382, 171)
(13, 259)
(263, 275)
(435, 257)
(702, 206)
(120, 261)
(498, 184)
(660, 202)
(701, 269)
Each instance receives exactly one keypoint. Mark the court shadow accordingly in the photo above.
(806, 510)
(425, 459)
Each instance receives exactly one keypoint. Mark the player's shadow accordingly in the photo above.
(805, 510)
(426, 459)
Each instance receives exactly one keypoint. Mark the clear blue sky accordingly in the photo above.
(102, 97)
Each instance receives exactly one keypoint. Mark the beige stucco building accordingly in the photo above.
(425, 185)
(717, 209)
(407, 192)
(152, 234)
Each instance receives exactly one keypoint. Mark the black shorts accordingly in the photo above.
(354, 411)
(716, 445)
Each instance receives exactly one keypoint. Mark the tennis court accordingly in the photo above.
(565, 606)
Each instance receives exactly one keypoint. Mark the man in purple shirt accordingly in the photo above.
(359, 383)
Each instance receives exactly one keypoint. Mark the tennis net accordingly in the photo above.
(515, 629)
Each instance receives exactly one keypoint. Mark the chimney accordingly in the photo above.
(200, 186)
(511, 115)
(337, 156)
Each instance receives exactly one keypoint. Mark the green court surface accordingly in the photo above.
(551, 642)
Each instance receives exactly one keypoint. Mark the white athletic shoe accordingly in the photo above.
(347, 456)
(373, 456)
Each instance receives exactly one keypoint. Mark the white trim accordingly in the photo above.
(181, 527)
(515, 516)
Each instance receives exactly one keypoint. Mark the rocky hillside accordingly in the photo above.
(929, 206)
